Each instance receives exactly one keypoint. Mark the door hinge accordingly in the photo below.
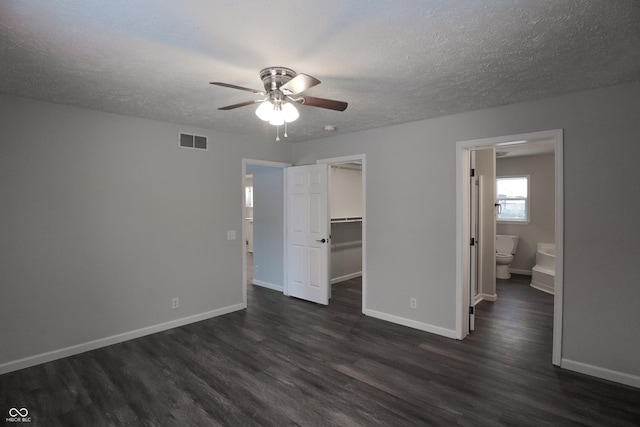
(472, 172)
(472, 310)
(473, 241)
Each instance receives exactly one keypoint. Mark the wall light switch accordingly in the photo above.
(231, 235)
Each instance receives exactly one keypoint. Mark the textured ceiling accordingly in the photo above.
(393, 62)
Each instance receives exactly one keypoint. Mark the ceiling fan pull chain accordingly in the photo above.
(277, 133)
(285, 130)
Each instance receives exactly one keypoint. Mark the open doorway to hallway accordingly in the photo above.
(263, 224)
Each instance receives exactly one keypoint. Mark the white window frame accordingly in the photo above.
(527, 201)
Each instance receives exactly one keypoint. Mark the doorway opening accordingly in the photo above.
(267, 181)
(465, 230)
(347, 207)
(263, 225)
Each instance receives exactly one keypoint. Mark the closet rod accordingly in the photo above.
(347, 219)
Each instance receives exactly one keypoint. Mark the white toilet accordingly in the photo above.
(505, 248)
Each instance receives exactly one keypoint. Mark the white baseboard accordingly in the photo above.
(268, 285)
(604, 373)
(485, 297)
(49, 356)
(411, 323)
(346, 277)
(542, 287)
(518, 271)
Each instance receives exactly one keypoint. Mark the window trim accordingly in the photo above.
(527, 201)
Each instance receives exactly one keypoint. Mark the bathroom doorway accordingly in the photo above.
(465, 301)
(526, 186)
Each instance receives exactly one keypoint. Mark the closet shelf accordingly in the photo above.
(346, 219)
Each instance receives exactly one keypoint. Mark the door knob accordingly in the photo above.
(321, 241)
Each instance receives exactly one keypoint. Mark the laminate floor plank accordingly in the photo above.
(288, 362)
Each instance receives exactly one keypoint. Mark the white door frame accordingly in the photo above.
(462, 230)
(474, 256)
(361, 158)
(255, 162)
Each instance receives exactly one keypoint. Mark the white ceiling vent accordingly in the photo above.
(193, 141)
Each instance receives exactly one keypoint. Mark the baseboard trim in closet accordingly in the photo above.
(346, 277)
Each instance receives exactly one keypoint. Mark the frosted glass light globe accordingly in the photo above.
(264, 111)
(277, 118)
(290, 112)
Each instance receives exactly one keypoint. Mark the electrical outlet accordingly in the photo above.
(231, 235)
(256, 268)
(175, 303)
(413, 303)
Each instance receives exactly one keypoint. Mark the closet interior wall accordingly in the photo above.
(345, 204)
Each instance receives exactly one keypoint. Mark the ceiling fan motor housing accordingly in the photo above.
(274, 77)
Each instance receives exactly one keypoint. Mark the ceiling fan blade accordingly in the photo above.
(242, 104)
(299, 84)
(229, 85)
(324, 103)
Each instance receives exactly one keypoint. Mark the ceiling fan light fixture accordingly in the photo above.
(290, 112)
(277, 113)
(264, 111)
(277, 118)
(282, 88)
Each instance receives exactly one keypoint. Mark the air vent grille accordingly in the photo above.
(196, 142)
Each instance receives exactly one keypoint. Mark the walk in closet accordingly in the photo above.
(345, 205)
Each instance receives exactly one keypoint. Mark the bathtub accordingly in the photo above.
(543, 273)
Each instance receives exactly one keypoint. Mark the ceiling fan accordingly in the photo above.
(283, 87)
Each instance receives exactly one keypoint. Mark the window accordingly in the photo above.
(513, 198)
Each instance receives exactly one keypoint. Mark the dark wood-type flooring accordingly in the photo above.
(288, 362)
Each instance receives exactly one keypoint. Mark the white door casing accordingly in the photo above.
(473, 244)
(308, 233)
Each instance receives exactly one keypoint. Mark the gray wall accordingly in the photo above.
(268, 225)
(345, 191)
(411, 174)
(541, 228)
(104, 220)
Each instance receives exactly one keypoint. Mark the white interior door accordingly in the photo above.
(308, 233)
